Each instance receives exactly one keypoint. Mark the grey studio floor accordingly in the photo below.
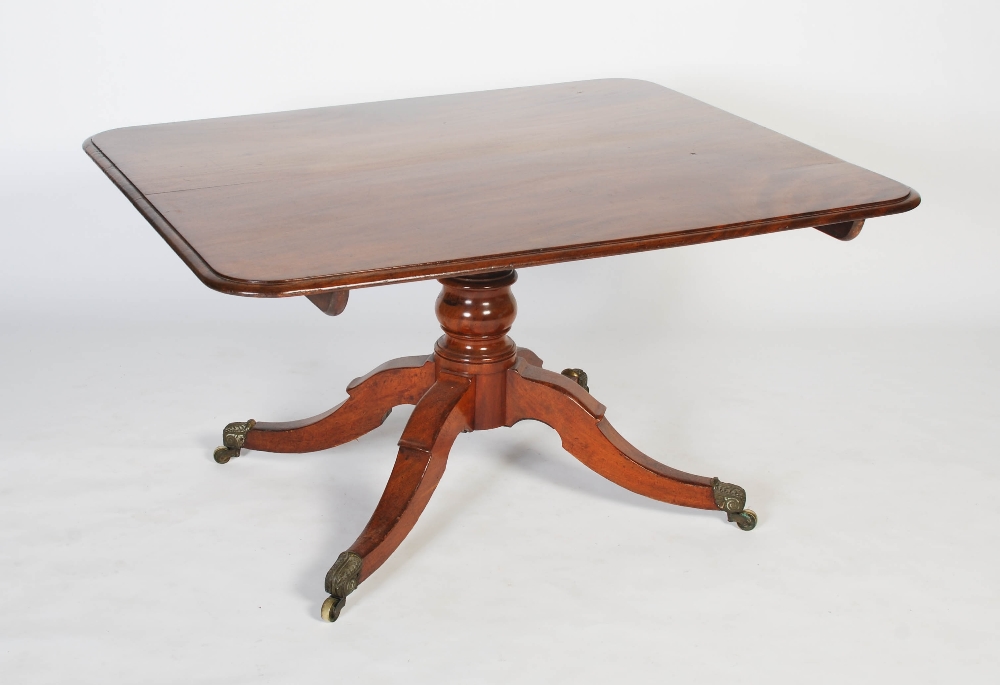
(128, 555)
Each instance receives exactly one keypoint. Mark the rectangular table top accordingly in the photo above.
(300, 202)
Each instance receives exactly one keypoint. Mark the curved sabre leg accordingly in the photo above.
(438, 418)
(529, 356)
(372, 397)
(554, 399)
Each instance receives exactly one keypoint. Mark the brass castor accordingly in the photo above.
(746, 519)
(330, 610)
(341, 580)
(224, 454)
(233, 437)
(578, 375)
(731, 499)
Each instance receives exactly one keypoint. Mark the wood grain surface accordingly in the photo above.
(301, 202)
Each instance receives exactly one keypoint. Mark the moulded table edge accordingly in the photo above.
(430, 270)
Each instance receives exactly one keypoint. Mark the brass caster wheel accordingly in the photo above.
(746, 519)
(578, 375)
(233, 437)
(341, 580)
(330, 610)
(224, 454)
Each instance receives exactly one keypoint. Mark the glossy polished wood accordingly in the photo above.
(372, 398)
(439, 417)
(848, 230)
(476, 313)
(553, 399)
(301, 202)
(331, 302)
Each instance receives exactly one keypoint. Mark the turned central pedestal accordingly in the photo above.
(476, 313)
(476, 379)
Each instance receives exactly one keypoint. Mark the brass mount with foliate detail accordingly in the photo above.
(341, 580)
(732, 499)
(233, 437)
(578, 375)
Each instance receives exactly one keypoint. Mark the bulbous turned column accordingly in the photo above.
(476, 312)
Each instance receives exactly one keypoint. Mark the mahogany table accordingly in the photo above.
(467, 188)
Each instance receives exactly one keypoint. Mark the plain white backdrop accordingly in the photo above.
(850, 387)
